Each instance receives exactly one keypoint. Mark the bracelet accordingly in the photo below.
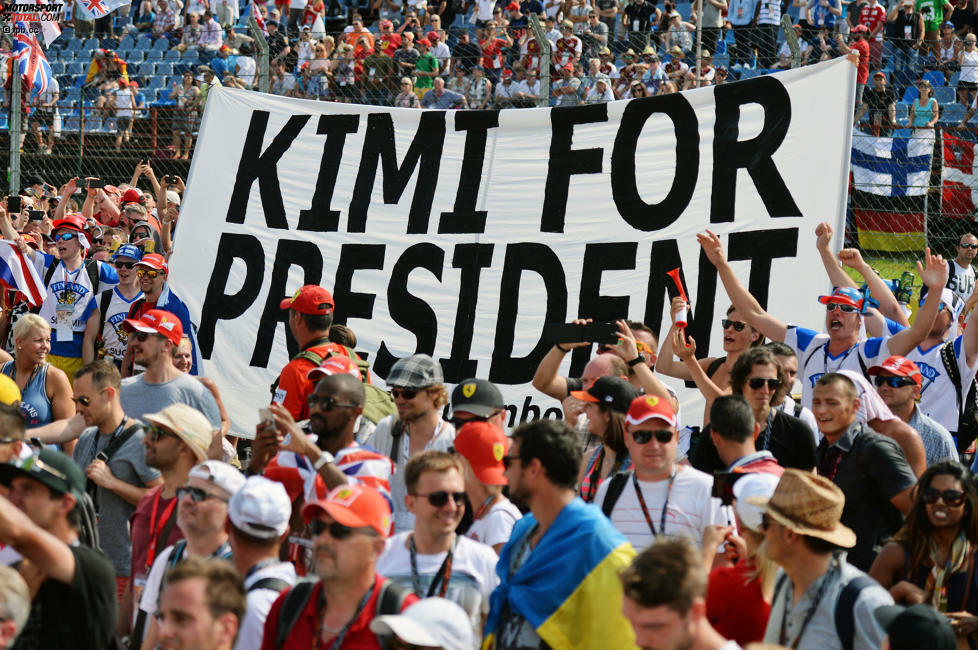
(637, 360)
(323, 459)
(562, 349)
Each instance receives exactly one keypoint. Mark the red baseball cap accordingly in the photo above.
(423, 41)
(73, 221)
(310, 299)
(356, 506)
(899, 366)
(512, 6)
(154, 261)
(844, 296)
(650, 407)
(156, 321)
(132, 196)
(484, 446)
(338, 364)
(860, 28)
(432, 36)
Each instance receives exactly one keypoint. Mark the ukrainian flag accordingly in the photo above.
(568, 588)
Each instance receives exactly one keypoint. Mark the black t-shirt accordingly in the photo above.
(879, 100)
(791, 443)
(642, 13)
(276, 43)
(905, 29)
(78, 616)
(962, 18)
(467, 55)
(871, 471)
(603, 5)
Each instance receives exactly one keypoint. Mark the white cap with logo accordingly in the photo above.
(261, 508)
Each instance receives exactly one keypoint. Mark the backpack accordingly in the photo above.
(845, 625)
(967, 411)
(277, 584)
(390, 600)
(91, 268)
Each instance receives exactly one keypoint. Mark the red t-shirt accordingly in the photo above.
(762, 466)
(872, 16)
(388, 43)
(293, 385)
(862, 73)
(735, 609)
(140, 524)
(302, 634)
(492, 53)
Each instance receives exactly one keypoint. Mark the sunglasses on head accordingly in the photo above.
(971, 246)
(893, 382)
(440, 498)
(832, 306)
(154, 433)
(325, 402)
(951, 498)
(663, 436)
(152, 274)
(124, 265)
(197, 495)
(756, 383)
(337, 531)
(406, 393)
(736, 324)
(65, 236)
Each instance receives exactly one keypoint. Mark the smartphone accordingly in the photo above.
(601, 333)
(96, 183)
(265, 416)
(102, 457)
(82, 183)
(35, 215)
(13, 204)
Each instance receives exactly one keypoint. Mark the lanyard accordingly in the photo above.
(64, 275)
(830, 474)
(155, 525)
(484, 508)
(443, 576)
(825, 355)
(261, 565)
(766, 444)
(665, 506)
(338, 641)
(811, 610)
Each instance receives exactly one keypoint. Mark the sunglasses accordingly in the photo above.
(9, 441)
(736, 324)
(336, 530)
(83, 400)
(143, 336)
(894, 382)
(459, 422)
(325, 403)
(152, 274)
(197, 495)
(832, 306)
(971, 246)
(765, 522)
(406, 393)
(154, 433)
(439, 499)
(951, 498)
(65, 236)
(756, 383)
(123, 265)
(508, 461)
(663, 436)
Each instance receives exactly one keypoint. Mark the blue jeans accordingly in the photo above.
(905, 70)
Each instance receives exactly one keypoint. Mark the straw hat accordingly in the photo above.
(808, 505)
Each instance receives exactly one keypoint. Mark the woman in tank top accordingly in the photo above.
(968, 60)
(46, 394)
(924, 111)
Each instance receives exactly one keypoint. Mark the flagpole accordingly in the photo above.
(15, 128)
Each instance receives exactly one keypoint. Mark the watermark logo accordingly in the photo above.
(28, 14)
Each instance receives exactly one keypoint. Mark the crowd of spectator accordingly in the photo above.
(425, 515)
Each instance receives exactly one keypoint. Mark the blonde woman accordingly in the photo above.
(406, 98)
(46, 393)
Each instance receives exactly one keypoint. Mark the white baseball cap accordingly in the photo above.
(755, 484)
(432, 623)
(261, 508)
(220, 474)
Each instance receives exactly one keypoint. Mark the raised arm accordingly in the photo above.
(934, 276)
(687, 352)
(628, 350)
(742, 300)
(47, 553)
(545, 379)
(823, 239)
(889, 306)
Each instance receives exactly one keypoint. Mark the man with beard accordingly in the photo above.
(665, 599)
(325, 443)
(961, 275)
(152, 339)
(348, 527)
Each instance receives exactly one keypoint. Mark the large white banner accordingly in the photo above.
(460, 233)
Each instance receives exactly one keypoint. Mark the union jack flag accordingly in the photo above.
(258, 18)
(32, 63)
(99, 8)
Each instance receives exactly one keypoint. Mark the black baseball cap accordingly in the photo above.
(477, 396)
(917, 626)
(614, 392)
(51, 468)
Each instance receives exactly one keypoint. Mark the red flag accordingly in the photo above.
(958, 174)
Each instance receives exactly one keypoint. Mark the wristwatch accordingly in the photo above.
(637, 360)
(324, 458)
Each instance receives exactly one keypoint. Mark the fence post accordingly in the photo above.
(541, 37)
(792, 39)
(699, 42)
(16, 117)
(262, 42)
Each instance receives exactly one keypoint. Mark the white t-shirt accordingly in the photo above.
(114, 337)
(259, 602)
(497, 526)
(151, 592)
(484, 9)
(937, 395)
(124, 103)
(814, 359)
(690, 510)
(472, 579)
(962, 280)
